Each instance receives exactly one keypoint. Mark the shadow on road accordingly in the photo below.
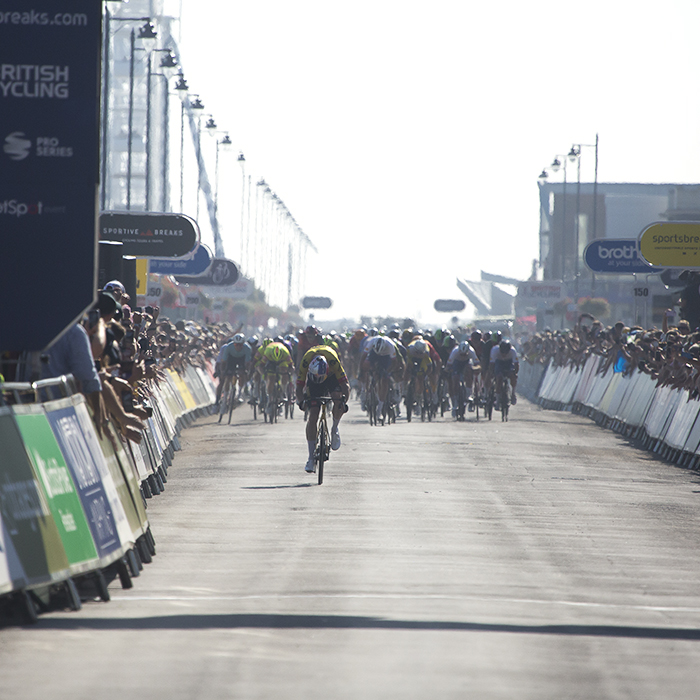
(331, 622)
(266, 488)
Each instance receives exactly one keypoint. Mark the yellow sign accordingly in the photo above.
(671, 244)
(141, 275)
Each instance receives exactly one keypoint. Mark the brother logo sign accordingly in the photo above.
(618, 256)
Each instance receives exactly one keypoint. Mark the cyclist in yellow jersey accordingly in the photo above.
(321, 374)
(274, 360)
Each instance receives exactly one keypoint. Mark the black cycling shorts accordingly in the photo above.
(379, 363)
(503, 367)
(233, 363)
(315, 390)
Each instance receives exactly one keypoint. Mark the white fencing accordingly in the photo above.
(666, 420)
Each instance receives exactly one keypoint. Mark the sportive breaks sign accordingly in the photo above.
(150, 235)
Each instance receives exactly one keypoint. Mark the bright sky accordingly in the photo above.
(406, 138)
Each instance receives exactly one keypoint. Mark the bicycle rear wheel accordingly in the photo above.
(505, 401)
(372, 404)
(321, 452)
(462, 409)
(232, 400)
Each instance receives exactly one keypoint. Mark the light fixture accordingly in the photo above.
(574, 154)
(168, 61)
(148, 31)
(241, 159)
(197, 104)
(543, 176)
(556, 165)
(181, 83)
(211, 124)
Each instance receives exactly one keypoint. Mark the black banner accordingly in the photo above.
(49, 158)
(449, 305)
(221, 273)
(150, 235)
(316, 303)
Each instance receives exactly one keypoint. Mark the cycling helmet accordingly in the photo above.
(449, 341)
(239, 338)
(312, 330)
(505, 346)
(318, 370)
(253, 340)
(475, 336)
(279, 339)
(464, 348)
(382, 346)
(498, 337)
(420, 347)
(277, 353)
(374, 331)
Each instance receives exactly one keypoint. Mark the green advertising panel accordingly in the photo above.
(58, 487)
(27, 521)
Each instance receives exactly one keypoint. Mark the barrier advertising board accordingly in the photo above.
(87, 428)
(618, 256)
(11, 572)
(25, 512)
(58, 488)
(49, 174)
(671, 244)
(86, 476)
(149, 235)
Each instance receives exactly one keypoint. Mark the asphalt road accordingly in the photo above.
(542, 558)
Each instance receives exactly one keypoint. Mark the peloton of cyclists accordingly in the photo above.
(321, 374)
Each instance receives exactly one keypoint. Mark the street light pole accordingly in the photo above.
(556, 166)
(575, 155)
(146, 32)
(131, 121)
(211, 124)
(167, 62)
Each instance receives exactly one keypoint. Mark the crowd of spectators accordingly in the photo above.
(670, 355)
(117, 354)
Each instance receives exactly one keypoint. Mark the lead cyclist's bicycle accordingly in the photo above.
(322, 451)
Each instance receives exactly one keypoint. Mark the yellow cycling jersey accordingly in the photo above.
(334, 365)
(276, 353)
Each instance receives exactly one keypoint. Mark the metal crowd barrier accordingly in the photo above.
(72, 499)
(664, 420)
